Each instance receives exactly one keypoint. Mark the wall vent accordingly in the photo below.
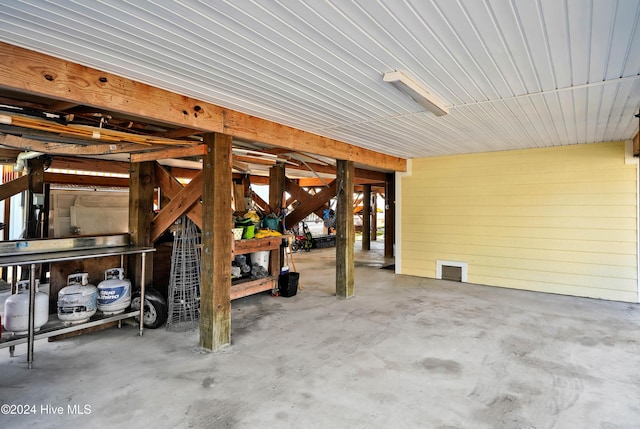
(451, 270)
(451, 273)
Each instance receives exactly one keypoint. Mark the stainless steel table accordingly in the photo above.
(35, 252)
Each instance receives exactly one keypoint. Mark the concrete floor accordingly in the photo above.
(404, 353)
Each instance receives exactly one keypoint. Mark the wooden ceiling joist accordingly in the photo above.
(364, 176)
(23, 70)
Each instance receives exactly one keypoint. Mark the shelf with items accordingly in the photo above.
(242, 288)
(43, 251)
(55, 327)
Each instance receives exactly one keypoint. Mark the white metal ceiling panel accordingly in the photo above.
(514, 73)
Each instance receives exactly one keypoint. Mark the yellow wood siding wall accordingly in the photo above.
(560, 220)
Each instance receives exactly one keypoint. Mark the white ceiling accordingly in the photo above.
(514, 73)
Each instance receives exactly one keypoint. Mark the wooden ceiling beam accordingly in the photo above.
(87, 164)
(255, 160)
(315, 182)
(61, 106)
(8, 156)
(360, 173)
(28, 71)
(277, 151)
(13, 187)
(178, 133)
(183, 173)
(86, 180)
(176, 152)
(54, 148)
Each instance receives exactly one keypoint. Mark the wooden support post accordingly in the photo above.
(277, 180)
(366, 217)
(390, 215)
(141, 185)
(5, 232)
(246, 183)
(276, 186)
(374, 217)
(215, 288)
(345, 230)
(6, 219)
(47, 206)
(36, 188)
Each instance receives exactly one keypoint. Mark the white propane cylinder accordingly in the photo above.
(77, 302)
(114, 292)
(16, 310)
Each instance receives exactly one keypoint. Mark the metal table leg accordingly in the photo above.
(142, 281)
(32, 314)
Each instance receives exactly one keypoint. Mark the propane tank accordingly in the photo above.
(114, 292)
(77, 301)
(16, 309)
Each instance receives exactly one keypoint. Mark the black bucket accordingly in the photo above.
(288, 283)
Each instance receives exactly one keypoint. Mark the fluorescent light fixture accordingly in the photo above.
(415, 91)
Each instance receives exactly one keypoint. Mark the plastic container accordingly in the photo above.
(249, 232)
(288, 283)
(261, 258)
(237, 233)
(78, 301)
(271, 223)
(16, 310)
(114, 292)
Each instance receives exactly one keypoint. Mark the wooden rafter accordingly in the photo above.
(28, 71)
